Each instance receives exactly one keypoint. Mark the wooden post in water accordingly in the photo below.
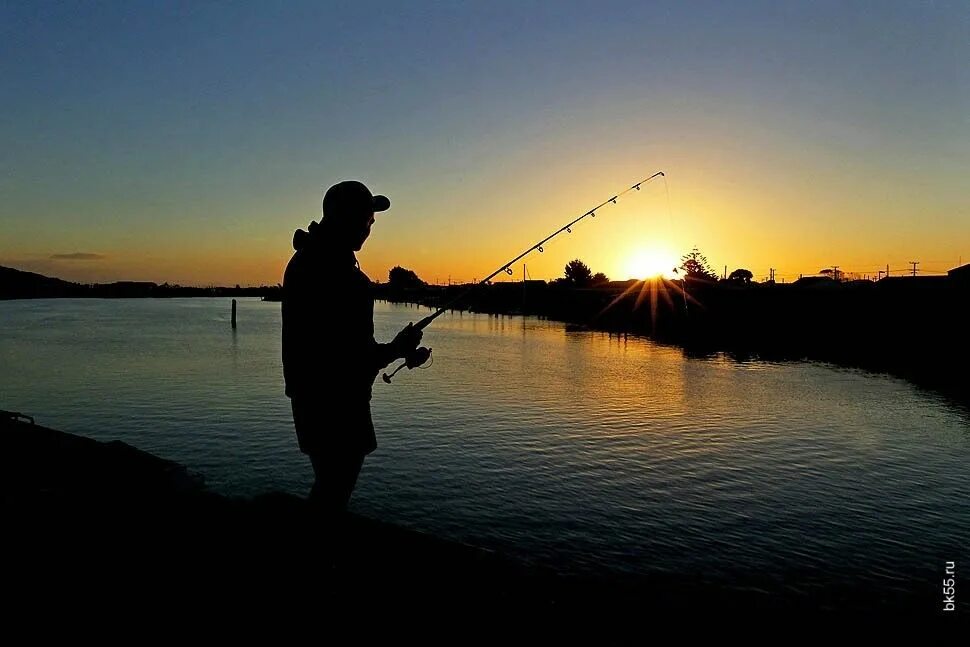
(233, 313)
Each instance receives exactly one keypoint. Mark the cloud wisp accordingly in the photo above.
(77, 256)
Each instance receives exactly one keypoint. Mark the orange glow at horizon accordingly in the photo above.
(642, 236)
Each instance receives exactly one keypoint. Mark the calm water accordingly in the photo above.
(576, 449)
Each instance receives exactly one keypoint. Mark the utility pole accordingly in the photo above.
(835, 272)
(914, 264)
(771, 270)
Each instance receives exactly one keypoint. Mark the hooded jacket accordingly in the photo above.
(330, 357)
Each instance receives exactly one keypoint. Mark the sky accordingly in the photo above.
(185, 142)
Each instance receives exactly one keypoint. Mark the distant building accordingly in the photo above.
(960, 274)
(932, 281)
(815, 281)
(518, 285)
(621, 285)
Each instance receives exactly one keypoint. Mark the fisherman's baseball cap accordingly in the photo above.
(352, 195)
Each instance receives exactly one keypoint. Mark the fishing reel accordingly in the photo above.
(414, 359)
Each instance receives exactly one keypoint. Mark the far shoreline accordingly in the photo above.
(907, 327)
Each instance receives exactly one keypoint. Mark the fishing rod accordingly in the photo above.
(421, 355)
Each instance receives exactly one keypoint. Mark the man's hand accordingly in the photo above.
(406, 340)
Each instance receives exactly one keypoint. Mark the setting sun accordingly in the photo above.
(650, 263)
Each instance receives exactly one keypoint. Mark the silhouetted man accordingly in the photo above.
(330, 357)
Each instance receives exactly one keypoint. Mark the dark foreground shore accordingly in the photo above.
(91, 521)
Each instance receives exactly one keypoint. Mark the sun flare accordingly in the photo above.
(652, 263)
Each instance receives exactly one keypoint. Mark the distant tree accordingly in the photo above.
(694, 264)
(578, 273)
(741, 275)
(400, 277)
(599, 279)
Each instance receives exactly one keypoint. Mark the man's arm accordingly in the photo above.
(383, 355)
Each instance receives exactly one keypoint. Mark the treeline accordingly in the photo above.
(16, 284)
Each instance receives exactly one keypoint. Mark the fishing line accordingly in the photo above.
(507, 268)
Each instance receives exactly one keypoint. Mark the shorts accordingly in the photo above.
(333, 427)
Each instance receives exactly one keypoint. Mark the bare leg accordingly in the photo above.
(335, 477)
